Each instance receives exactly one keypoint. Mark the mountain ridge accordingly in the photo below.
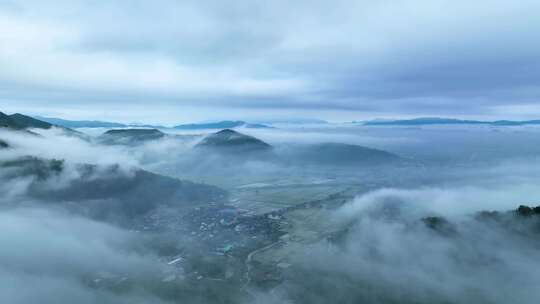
(130, 136)
(19, 121)
(448, 121)
(228, 139)
(92, 123)
(224, 124)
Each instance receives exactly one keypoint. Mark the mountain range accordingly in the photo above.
(225, 124)
(231, 143)
(448, 121)
(46, 122)
(91, 123)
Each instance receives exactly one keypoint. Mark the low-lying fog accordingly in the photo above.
(73, 208)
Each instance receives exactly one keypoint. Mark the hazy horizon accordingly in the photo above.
(168, 61)
(246, 152)
(262, 119)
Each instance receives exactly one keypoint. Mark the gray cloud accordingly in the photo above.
(375, 259)
(55, 258)
(362, 57)
(388, 255)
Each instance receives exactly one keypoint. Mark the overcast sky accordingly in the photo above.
(166, 61)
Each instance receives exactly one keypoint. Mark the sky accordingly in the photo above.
(166, 61)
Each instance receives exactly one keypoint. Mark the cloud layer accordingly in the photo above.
(390, 255)
(53, 257)
(361, 57)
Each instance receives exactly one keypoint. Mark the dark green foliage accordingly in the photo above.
(24, 122)
(487, 215)
(132, 194)
(109, 192)
(434, 222)
(524, 210)
(33, 166)
(440, 225)
(6, 121)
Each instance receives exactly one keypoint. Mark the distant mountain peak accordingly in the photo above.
(134, 132)
(227, 131)
(130, 136)
(330, 153)
(81, 123)
(224, 124)
(232, 140)
(293, 121)
(19, 121)
(448, 121)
